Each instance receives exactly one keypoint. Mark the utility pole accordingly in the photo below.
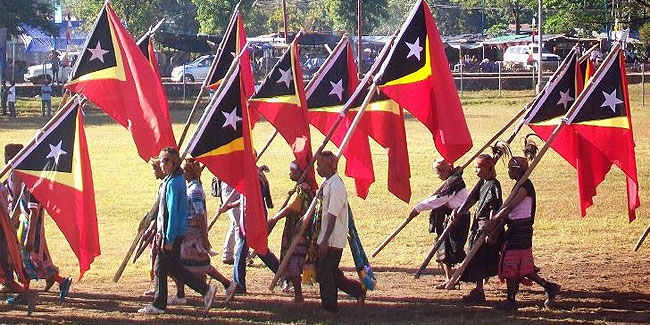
(284, 18)
(540, 11)
(359, 40)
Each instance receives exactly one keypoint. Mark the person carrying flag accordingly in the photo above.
(195, 248)
(332, 237)
(517, 265)
(171, 226)
(294, 212)
(36, 258)
(451, 197)
(489, 201)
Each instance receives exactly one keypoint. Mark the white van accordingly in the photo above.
(520, 54)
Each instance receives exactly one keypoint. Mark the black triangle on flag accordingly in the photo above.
(409, 54)
(604, 99)
(99, 51)
(558, 96)
(54, 149)
(228, 52)
(331, 85)
(280, 81)
(222, 125)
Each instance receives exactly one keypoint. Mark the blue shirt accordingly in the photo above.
(46, 92)
(175, 206)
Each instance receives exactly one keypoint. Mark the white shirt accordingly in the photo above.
(335, 201)
(12, 94)
(454, 201)
(522, 210)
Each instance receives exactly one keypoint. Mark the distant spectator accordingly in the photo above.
(54, 59)
(46, 96)
(11, 97)
(4, 91)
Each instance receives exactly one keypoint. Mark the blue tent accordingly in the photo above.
(37, 41)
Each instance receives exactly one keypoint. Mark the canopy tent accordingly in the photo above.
(37, 41)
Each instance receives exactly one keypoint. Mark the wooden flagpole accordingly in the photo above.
(348, 105)
(469, 161)
(308, 215)
(642, 238)
(459, 169)
(57, 116)
(481, 240)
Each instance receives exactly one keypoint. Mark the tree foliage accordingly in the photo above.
(138, 16)
(31, 12)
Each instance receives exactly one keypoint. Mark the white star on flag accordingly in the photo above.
(285, 76)
(97, 53)
(414, 49)
(565, 98)
(56, 152)
(231, 118)
(337, 89)
(611, 100)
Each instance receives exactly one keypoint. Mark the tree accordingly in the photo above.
(31, 12)
(344, 14)
(138, 15)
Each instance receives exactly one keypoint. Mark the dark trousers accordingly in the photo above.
(331, 278)
(5, 266)
(168, 263)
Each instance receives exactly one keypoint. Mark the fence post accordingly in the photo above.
(461, 78)
(533, 81)
(184, 82)
(499, 65)
(642, 84)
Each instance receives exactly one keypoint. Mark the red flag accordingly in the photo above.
(281, 100)
(383, 120)
(547, 111)
(56, 170)
(113, 73)
(417, 64)
(12, 247)
(146, 46)
(603, 119)
(222, 142)
(326, 94)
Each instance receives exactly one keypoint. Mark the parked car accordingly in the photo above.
(527, 56)
(37, 73)
(195, 71)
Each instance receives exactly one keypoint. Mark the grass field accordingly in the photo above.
(603, 280)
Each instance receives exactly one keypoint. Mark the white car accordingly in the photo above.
(36, 73)
(521, 54)
(195, 71)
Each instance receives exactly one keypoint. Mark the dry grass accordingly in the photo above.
(591, 257)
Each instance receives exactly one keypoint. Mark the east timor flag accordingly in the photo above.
(222, 142)
(383, 121)
(232, 44)
(326, 94)
(56, 170)
(146, 46)
(113, 73)
(281, 100)
(602, 118)
(587, 68)
(546, 113)
(416, 75)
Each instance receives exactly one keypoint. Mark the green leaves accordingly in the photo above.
(32, 12)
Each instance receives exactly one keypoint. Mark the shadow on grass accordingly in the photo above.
(107, 308)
